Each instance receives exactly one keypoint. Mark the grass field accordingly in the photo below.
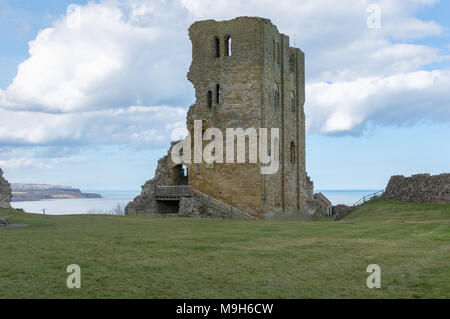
(148, 257)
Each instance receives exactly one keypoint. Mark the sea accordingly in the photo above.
(106, 205)
(111, 200)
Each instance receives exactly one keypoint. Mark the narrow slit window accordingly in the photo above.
(209, 99)
(218, 97)
(273, 50)
(217, 46)
(292, 153)
(293, 106)
(278, 52)
(228, 45)
(291, 62)
(276, 97)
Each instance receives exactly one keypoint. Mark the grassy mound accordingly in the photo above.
(148, 257)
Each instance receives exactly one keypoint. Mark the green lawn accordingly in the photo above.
(148, 257)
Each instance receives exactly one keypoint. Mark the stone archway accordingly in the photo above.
(179, 175)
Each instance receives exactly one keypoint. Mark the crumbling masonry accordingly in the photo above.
(5, 192)
(245, 75)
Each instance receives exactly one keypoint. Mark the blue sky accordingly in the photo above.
(114, 87)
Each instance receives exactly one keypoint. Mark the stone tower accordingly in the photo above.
(246, 75)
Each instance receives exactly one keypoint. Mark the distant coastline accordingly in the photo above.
(37, 192)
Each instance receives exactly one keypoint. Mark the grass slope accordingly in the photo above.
(148, 257)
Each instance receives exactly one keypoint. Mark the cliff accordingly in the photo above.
(35, 192)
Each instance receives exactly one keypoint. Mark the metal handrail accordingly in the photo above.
(368, 197)
(173, 191)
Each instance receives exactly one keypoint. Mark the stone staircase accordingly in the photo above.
(213, 207)
(225, 209)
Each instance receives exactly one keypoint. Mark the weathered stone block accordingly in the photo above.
(5, 192)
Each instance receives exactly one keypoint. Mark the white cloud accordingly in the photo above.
(28, 161)
(117, 55)
(15, 158)
(397, 99)
(137, 51)
(20, 162)
(90, 83)
(411, 28)
(149, 126)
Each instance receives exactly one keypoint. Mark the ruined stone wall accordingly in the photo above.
(283, 71)
(272, 113)
(167, 173)
(5, 192)
(420, 188)
(239, 77)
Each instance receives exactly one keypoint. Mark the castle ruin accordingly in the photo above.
(245, 75)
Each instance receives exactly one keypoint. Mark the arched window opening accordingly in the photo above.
(185, 172)
(292, 153)
(228, 45)
(179, 175)
(293, 107)
(218, 97)
(209, 99)
(217, 46)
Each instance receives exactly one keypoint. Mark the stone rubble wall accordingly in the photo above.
(145, 203)
(5, 192)
(419, 188)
